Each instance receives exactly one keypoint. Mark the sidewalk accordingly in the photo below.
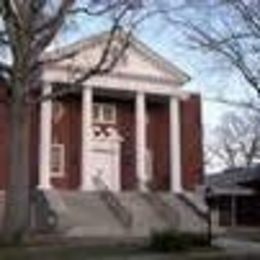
(238, 245)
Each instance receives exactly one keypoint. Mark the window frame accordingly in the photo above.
(100, 119)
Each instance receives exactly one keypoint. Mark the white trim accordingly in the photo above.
(109, 82)
(144, 50)
(87, 101)
(175, 146)
(45, 140)
(61, 168)
(141, 141)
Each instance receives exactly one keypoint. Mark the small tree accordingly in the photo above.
(236, 140)
(27, 28)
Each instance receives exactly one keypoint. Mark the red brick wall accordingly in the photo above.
(69, 128)
(157, 140)
(67, 131)
(158, 143)
(126, 125)
(191, 142)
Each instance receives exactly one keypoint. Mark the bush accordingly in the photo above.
(171, 240)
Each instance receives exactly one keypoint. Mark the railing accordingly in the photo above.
(113, 202)
(162, 208)
(44, 218)
(192, 205)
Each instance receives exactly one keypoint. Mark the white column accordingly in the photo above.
(45, 140)
(141, 141)
(175, 146)
(87, 99)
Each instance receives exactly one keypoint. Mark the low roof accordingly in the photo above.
(234, 179)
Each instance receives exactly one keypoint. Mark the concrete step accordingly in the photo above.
(189, 219)
(162, 208)
(86, 214)
(145, 220)
(89, 215)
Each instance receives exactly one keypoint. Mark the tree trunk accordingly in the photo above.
(17, 196)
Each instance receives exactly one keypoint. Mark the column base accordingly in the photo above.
(142, 186)
(177, 190)
(87, 187)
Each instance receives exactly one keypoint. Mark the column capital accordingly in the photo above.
(180, 96)
(87, 87)
(140, 93)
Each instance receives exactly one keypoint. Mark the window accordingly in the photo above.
(57, 160)
(58, 111)
(104, 113)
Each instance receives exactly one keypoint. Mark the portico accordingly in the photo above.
(140, 108)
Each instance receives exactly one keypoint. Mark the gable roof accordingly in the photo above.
(146, 52)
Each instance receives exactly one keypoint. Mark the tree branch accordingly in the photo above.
(102, 67)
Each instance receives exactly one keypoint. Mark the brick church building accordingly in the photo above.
(134, 129)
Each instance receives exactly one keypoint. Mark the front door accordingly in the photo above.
(106, 163)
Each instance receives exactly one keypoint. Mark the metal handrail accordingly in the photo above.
(113, 202)
(162, 208)
(45, 218)
(193, 206)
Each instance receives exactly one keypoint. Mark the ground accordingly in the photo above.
(99, 253)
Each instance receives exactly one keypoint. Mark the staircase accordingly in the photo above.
(145, 220)
(193, 217)
(105, 214)
(83, 214)
(162, 209)
(113, 203)
(91, 216)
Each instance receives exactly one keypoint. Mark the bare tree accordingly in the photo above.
(27, 28)
(236, 140)
(227, 29)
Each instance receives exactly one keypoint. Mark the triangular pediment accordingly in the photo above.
(138, 61)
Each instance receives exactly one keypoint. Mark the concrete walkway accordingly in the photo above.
(238, 245)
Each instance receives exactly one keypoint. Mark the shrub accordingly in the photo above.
(171, 240)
